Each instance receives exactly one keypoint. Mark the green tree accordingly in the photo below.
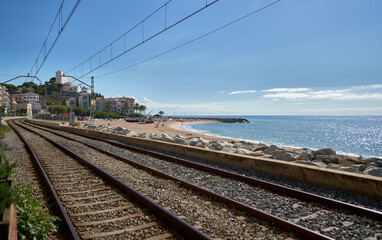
(58, 109)
(161, 113)
(136, 107)
(12, 89)
(29, 85)
(78, 111)
(106, 115)
(125, 108)
(142, 109)
(2, 108)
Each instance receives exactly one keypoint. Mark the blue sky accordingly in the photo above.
(295, 57)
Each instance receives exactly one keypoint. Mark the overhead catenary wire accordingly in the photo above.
(62, 26)
(139, 24)
(43, 47)
(191, 41)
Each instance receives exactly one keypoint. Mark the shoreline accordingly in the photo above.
(172, 128)
(169, 131)
(277, 144)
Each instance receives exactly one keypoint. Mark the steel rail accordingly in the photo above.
(264, 184)
(72, 234)
(183, 228)
(284, 224)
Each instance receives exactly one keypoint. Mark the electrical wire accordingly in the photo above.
(191, 41)
(61, 29)
(143, 39)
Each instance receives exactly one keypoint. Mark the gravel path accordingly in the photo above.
(213, 218)
(331, 222)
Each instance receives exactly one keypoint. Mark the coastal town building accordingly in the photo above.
(85, 90)
(28, 102)
(83, 101)
(4, 96)
(71, 102)
(123, 105)
(29, 97)
(60, 78)
(27, 107)
(69, 88)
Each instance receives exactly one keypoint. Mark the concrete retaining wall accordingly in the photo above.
(330, 178)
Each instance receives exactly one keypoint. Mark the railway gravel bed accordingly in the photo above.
(26, 173)
(216, 219)
(335, 223)
(96, 208)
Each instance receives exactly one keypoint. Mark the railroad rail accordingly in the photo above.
(286, 225)
(259, 214)
(59, 175)
(264, 184)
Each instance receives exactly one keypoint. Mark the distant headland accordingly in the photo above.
(217, 119)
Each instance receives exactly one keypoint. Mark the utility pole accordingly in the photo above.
(46, 102)
(92, 99)
(92, 95)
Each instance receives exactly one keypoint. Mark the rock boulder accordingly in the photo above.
(324, 151)
(373, 171)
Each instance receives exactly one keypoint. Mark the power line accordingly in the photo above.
(191, 41)
(61, 26)
(97, 56)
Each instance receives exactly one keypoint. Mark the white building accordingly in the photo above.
(31, 97)
(83, 101)
(85, 90)
(60, 78)
(124, 105)
(71, 89)
(26, 98)
(71, 102)
(4, 96)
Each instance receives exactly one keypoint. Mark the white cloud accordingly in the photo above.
(239, 92)
(354, 93)
(376, 86)
(208, 107)
(286, 90)
(376, 96)
(287, 95)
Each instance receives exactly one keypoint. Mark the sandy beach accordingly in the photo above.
(170, 127)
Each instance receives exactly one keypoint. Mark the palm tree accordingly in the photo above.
(136, 107)
(126, 108)
(142, 108)
(161, 113)
(109, 106)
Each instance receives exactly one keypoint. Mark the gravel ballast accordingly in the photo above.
(331, 222)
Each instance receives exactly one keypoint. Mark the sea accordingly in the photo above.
(350, 135)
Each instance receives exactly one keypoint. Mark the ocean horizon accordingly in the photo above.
(348, 135)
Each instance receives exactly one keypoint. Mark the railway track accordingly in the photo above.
(321, 211)
(253, 181)
(350, 221)
(94, 205)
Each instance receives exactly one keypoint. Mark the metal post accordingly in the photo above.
(46, 103)
(92, 100)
